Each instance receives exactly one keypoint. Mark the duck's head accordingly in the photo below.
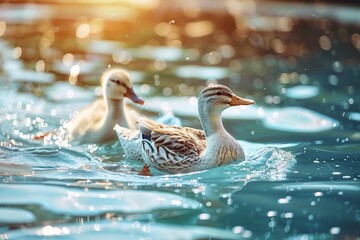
(219, 97)
(117, 84)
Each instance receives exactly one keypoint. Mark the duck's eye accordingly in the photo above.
(116, 81)
(218, 93)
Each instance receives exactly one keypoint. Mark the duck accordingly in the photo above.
(177, 149)
(95, 123)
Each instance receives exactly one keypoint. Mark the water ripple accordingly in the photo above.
(45, 157)
(122, 230)
(83, 202)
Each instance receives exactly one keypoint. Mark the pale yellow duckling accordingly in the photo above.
(183, 149)
(95, 123)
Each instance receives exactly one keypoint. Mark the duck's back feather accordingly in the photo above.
(171, 144)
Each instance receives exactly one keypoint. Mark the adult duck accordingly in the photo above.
(95, 123)
(183, 149)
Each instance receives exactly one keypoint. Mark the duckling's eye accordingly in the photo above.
(115, 81)
(218, 93)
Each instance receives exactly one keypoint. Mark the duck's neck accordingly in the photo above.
(221, 147)
(115, 112)
(210, 119)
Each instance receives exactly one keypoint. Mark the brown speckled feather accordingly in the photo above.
(188, 142)
(182, 142)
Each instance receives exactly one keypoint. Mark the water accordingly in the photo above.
(300, 62)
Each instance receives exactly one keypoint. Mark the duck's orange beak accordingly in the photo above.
(236, 101)
(133, 97)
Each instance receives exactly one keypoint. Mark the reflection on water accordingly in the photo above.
(299, 61)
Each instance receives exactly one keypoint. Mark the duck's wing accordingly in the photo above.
(130, 142)
(126, 134)
(176, 141)
(85, 120)
(89, 115)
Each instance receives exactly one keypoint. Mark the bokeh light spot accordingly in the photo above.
(68, 59)
(325, 42)
(17, 52)
(2, 28)
(40, 66)
(199, 29)
(83, 30)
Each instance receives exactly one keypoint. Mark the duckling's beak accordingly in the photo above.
(133, 97)
(236, 101)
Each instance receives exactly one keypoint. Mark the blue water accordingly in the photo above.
(300, 179)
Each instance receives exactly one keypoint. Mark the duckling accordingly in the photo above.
(95, 123)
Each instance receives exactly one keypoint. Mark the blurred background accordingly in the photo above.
(299, 53)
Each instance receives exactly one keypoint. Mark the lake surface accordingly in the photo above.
(300, 62)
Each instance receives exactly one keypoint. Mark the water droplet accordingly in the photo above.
(160, 65)
(278, 45)
(163, 29)
(283, 201)
(272, 213)
(204, 216)
(226, 51)
(212, 58)
(333, 80)
(122, 56)
(272, 224)
(68, 59)
(237, 229)
(325, 42)
(40, 66)
(355, 39)
(167, 91)
(258, 83)
(337, 66)
(53, 112)
(335, 230)
(247, 234)
(318, 194)
(16, 53)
